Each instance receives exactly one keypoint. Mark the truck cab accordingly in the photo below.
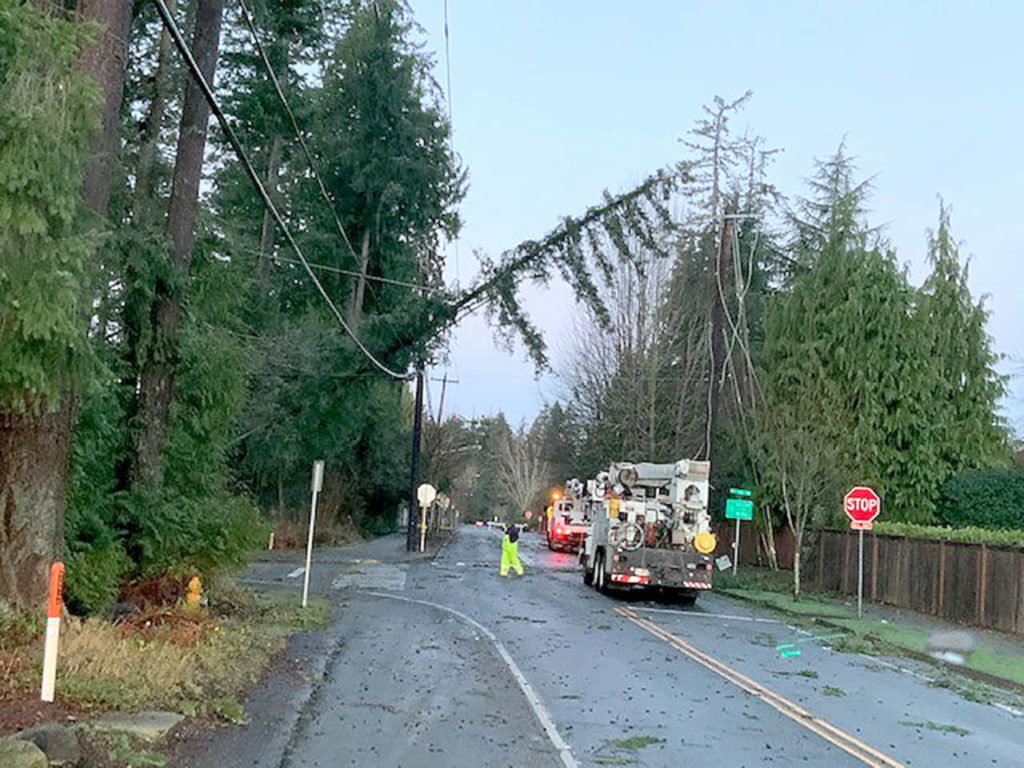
(567, 525)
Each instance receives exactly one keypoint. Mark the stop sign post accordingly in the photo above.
(862, 505)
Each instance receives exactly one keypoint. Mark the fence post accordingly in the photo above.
(874, 567)
(846, 562)
(821, 558)
(940, 611)
(982, 585)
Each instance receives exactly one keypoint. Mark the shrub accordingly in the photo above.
(164, 532)
(984, 499)
(94, 577)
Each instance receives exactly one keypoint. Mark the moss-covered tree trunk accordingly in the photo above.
(33, 470)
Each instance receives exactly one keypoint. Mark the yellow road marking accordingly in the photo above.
(840, 738)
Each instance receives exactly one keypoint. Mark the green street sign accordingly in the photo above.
(738, 509)
(741, 492)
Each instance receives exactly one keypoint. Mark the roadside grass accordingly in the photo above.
(869, 636)
(191, 662)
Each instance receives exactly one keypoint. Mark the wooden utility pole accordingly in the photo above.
(720, 280)
(417, 429)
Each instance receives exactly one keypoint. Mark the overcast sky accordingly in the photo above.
(555, 101)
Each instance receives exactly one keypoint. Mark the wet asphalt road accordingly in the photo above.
(440, 662)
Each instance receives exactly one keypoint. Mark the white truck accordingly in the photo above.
(568, 521)
(655, 530)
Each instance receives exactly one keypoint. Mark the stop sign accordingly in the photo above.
(862, 505)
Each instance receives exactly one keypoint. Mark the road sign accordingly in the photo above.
(426, 494)
(862, 506)
(739, 509)
(741, 492)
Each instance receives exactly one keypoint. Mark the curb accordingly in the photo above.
(830, 621)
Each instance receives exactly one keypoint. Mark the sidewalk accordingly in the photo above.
(385, 549)
(994, 657)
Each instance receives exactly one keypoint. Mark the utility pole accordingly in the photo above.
(722, 277)
(417, 429)
(445, 381)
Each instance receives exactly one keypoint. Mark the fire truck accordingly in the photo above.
(568, 518)
(655, 530)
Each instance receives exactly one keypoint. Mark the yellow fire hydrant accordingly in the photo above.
(193, 593)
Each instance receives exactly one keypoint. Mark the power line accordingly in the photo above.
(451, 121)
(295, 127)
(374, 278)
(211, 99)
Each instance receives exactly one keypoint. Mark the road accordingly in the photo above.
(440, 662)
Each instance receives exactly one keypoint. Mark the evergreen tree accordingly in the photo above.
(47, 120)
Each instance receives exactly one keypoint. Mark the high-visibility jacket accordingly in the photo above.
(510, 556)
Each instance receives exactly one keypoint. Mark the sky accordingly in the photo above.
(555, 101)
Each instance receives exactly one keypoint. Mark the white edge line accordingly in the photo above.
(534, 700)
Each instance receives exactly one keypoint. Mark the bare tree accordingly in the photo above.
(523, 473)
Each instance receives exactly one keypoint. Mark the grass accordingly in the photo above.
(636, 743)
(623, 751)
(806, 606)
(808, 673)
(831, 690)
(192, 663)
(869, 636)
(940, 727)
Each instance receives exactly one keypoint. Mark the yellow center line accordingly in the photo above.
(840, 738)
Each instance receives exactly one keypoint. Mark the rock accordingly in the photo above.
(15, 753)
(149, 726)
(60, 744)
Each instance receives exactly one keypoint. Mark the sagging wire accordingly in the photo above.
(190, 62)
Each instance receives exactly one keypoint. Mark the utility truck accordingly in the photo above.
(568, 519)
(654, 530)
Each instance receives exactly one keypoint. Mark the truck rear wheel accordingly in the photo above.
(588, 573)
(599, 574)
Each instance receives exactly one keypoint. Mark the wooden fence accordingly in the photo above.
(967, 583)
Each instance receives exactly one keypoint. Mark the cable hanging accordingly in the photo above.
(295, 127)
(211, 99)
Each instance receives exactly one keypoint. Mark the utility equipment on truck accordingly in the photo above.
(655, 530)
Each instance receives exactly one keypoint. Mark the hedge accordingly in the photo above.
(984, 499)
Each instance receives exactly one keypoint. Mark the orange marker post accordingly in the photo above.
(52, 631)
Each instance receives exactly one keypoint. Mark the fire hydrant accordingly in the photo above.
(193, 593)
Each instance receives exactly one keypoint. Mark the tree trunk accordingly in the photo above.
(267, 228)
(34, 449)
(356, 310)
(105, 60)
(156, 382)
(798, 543)
(154, 118)
(33, 476)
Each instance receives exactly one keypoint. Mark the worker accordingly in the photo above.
(510, 551)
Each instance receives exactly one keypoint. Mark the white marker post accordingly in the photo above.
(52, 632)
(316, 486)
